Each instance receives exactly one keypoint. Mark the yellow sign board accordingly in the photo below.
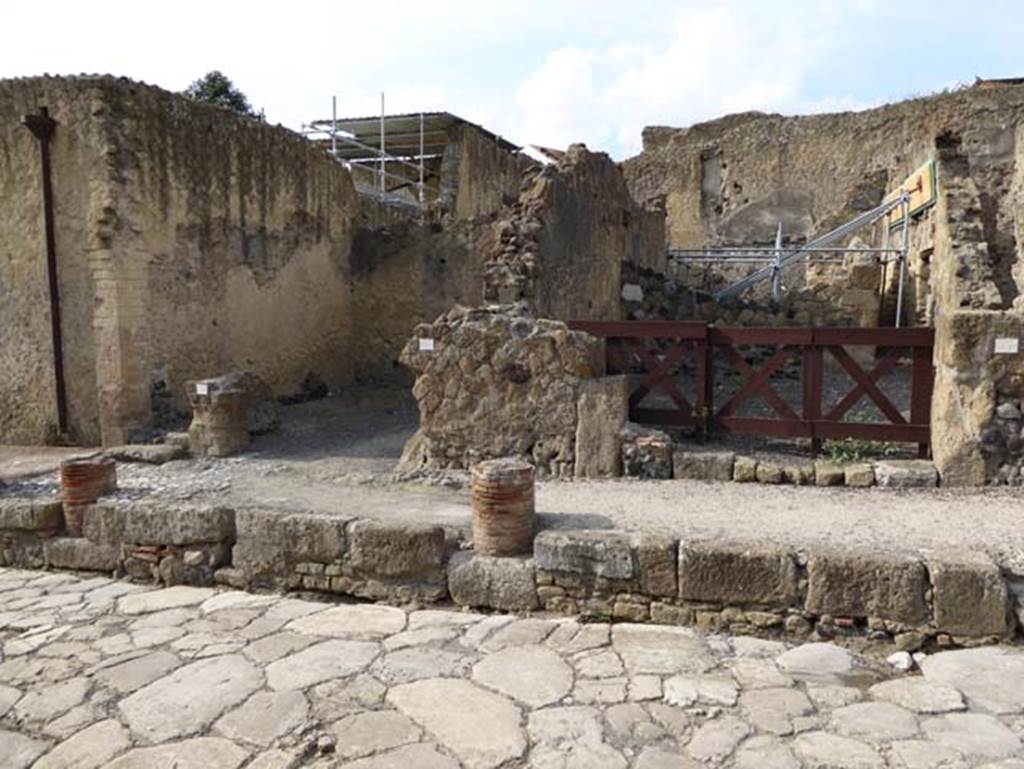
(923, 192)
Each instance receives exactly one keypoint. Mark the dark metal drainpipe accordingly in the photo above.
(42, 126)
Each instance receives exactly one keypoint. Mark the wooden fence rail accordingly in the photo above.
(660, 347)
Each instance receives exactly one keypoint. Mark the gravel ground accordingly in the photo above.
(336, 457)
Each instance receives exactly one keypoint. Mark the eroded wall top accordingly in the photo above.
(730, 181)
(560, 247)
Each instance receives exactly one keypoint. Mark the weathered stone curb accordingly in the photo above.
(727, 466)
(738, 587)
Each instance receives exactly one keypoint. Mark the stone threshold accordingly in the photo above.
(942, 598)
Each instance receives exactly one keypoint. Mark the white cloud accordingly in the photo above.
(533, 70)
(718, 58)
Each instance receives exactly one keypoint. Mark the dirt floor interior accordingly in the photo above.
(337, 456)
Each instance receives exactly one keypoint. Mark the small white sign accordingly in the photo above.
(202, 388)
(1007, 345)
(426, 345)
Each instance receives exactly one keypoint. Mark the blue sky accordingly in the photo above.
(540, 72)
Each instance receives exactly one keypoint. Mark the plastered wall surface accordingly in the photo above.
(190, 241)
(28, 412)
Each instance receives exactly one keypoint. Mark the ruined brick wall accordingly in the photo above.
(976, 409)
(192, 241)
(730, 181)
(733, 179)
(561, 246)
(845, 295)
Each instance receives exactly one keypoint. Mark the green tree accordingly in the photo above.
(216, 88)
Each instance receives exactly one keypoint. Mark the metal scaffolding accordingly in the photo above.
(347, 149)
(819, 251)
(399, 155)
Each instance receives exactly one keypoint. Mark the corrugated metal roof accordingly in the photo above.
(402, 134)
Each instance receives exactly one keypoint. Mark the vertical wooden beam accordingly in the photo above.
(701, 393)
(921, 388)
(812, 374)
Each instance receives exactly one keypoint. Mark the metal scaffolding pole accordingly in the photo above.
(904, 251)
(421, 160)
(777, 267)
(885, 271)
(383, 149)
(866, 219)
(334, 127)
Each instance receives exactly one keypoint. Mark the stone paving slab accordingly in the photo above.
(92, 675)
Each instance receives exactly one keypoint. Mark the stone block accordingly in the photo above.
(270, 543)
(601, 412)
(860, 475)
(164, 524)
(646, 452)
(798, 475)
(969, 594)
(737, 574)
(227, 410)
(598, 553)
(668, 614)
(396, 551)
(505, 584)
(906, 474)
(81, 554)
(890, 586)
(828, 474)
(31, 515)
(744, 470)
(768, 473)
(148, 453)
(103, 523)
(656, 562)
(703, 465)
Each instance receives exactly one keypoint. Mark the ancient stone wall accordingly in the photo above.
(561, 247)
(846, 295)
(494, 382)
(732, 180)
(28, 412)
(485, 175)
(191, 242)
(409, 272)
(976, 411)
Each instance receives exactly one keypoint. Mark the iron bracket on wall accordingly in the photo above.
(42, 127)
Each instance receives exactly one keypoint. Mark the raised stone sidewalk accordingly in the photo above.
(915, 598)
(99, 673)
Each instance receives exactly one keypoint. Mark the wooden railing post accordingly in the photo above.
(922, 383)
(812, 371)
(704, 391)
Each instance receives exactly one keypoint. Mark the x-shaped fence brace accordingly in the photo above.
(629, 343)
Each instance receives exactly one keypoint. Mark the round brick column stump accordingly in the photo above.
(82, 482)
(503, 507)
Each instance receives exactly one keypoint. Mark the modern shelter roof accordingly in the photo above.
(402, 134)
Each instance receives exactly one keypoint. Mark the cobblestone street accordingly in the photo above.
(99, 673)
